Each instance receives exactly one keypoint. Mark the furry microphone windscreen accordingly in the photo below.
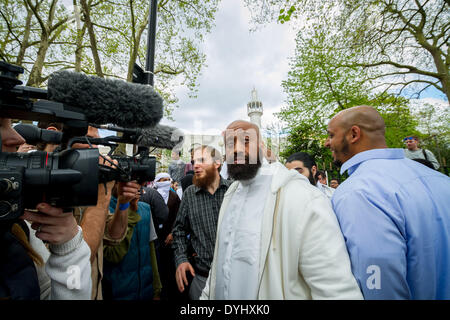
(161, 136)
(103, 101)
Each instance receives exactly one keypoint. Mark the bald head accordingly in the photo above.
(365, 117)
(241, 129)
(355, 130)
(244, 125)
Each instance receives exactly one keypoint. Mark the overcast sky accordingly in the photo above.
(237, 61)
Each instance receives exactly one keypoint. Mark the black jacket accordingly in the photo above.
(160, 211)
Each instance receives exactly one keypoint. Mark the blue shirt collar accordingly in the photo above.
(352, 164)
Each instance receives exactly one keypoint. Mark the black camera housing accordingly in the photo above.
(65, 179)
(140, 167)
(134, 168)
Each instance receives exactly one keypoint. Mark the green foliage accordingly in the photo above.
(25, 32)
(360, 52)
(435, 132)
(318, 88)
(398, 120)
(400, 45)
(285, 15)
(316, 91)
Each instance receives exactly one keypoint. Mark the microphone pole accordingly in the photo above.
(151, 39)
(150, 56)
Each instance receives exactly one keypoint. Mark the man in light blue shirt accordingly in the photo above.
(394, 212)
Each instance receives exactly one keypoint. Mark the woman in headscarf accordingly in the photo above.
(162, 184)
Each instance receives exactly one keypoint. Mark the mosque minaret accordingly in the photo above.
(255, 109)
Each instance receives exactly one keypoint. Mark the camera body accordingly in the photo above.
(11, 196)
(68, 178)
(140, 169)
(65, 179)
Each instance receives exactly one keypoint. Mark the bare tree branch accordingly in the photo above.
(36, 14)
(9, 27)
(412, 69)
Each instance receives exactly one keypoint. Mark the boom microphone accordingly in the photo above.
(104, 101)
(161, 136)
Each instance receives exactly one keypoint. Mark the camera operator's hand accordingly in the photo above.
(127, 191)
(104, 196)
(52, 224)
(26, 148)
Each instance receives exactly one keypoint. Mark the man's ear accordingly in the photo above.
(262, 145)
(313, 171)
(262, 149)
(354, 134)
(217, 164)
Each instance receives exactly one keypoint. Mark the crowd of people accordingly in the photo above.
(247, 228)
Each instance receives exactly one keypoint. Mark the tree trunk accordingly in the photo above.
(79, 49)
(445, 81)
(35, 78)
(132, 60)
(26, 37)
(441, 68)
(135, 49)
(79, 39)
(92, 39)
(446, 87)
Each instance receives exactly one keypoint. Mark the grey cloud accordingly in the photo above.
(237, 60)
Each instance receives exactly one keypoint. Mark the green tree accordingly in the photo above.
(435, 132)
(317, 88)
(29, 29)
(402, 46)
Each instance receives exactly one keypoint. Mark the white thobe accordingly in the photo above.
(224, 170)
(328, 191)
(239, 240)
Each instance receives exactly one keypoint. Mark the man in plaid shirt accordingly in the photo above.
(196, 221)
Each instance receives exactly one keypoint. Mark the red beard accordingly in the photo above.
(207, 179)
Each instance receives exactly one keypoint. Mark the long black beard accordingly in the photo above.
(243, 171)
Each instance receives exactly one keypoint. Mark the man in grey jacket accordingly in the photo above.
(413, 152)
